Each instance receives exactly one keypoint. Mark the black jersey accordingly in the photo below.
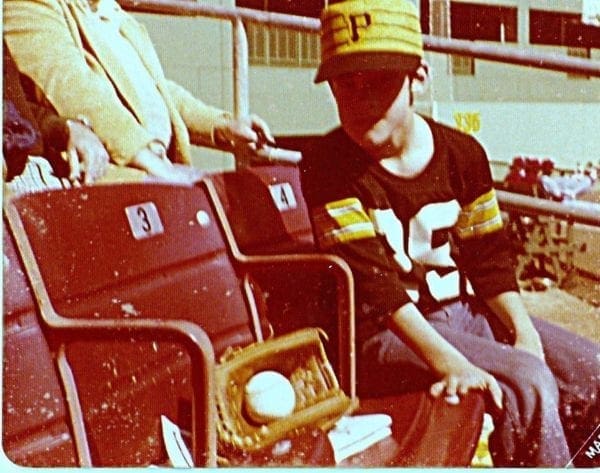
(429, 239)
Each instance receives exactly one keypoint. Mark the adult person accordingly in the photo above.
(409, 204)
(91, 59)
(30, 132)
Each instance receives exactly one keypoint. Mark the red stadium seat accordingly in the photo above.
(37, 431)
(269, 213)
(101, 283)
(264, 213)
(94, 266)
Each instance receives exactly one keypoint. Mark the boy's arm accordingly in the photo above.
(486, 254)
(511, 311)
(458, 375)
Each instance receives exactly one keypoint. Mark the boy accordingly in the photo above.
(409, 203)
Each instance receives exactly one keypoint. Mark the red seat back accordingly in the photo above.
(93, 265)
(268, 215)
(265, 207)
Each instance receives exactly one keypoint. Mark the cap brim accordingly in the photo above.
(366, 61)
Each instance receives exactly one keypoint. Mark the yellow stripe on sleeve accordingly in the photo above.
(480, 217)
(342, 221)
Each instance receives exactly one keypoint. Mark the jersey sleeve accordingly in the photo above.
(485, 252)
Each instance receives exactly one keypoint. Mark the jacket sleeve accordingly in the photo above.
(200, 118)
(41, 36)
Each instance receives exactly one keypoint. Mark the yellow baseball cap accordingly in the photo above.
(369, 35)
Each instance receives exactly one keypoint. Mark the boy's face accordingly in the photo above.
(374, 108)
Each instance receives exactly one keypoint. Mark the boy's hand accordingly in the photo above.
(531, 343)
(461, 380)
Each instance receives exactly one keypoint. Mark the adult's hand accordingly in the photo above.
(85, 152)
(249, 132)
(248, 137)
(157, 165)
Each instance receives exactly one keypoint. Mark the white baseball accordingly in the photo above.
(268, 396)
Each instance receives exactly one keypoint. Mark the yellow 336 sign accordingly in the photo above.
(468, 122)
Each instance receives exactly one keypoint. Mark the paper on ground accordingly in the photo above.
(178, 453)
(354, 434)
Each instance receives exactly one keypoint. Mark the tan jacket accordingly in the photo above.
(46, 39)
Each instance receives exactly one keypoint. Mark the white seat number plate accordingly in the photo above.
(283, 196)
(144, 220)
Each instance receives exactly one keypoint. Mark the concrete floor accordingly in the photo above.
(575, 307)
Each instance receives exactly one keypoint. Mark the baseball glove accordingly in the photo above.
(301, 358)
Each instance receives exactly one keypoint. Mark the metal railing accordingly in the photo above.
(571, 210)
(509, 55)
(237, 17)
(525, 57)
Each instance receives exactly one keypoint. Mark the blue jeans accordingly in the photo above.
(550, 409)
